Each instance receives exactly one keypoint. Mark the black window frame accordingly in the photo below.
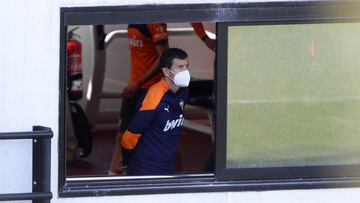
(345, 171)
(224, 179)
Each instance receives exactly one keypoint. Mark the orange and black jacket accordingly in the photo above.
(154, 132)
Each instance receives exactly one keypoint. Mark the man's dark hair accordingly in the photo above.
(169, 55)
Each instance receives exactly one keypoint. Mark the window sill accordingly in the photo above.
(203, 183)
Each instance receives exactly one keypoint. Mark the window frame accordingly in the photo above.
(223, 179)
(269, 173)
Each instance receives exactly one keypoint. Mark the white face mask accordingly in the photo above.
(181, 79)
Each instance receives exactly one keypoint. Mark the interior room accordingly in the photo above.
(105, 72)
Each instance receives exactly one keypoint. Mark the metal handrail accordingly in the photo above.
(26, 196)
(41, 152)
(171, 31)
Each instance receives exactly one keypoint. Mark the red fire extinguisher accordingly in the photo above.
(74, 66)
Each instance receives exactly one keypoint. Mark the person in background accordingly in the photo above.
(152, 137)
(200, 32)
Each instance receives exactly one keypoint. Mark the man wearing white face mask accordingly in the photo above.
(153, 135)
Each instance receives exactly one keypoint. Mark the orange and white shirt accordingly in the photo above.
(199, 30)
(143, 52)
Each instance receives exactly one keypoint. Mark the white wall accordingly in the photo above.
(29, 87)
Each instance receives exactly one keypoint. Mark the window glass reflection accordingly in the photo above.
(293, 95)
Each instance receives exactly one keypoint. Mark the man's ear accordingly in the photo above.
(165, 71)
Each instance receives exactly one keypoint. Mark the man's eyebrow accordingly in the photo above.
(183, 65)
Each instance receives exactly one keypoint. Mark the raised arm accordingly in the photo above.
(200, 32)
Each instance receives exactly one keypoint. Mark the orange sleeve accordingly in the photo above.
(199, 30)
(154, 95)
(129, 140)
(158, 32)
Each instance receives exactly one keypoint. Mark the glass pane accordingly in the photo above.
(94, 152)
(293, 95)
